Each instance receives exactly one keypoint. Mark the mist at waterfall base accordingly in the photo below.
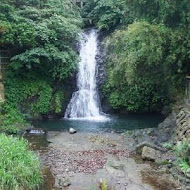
(85, 103)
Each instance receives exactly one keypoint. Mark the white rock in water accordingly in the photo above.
(72, 131)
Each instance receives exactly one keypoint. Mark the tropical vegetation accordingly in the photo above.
(40, 37)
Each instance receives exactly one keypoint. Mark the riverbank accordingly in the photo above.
(84, 161)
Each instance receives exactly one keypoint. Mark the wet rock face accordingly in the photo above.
(101, 59)
(166, 128)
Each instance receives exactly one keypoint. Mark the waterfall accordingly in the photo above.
(85, 102)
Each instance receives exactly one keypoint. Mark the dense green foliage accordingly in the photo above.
(19, 167)
(105, 14)
(148, 53)
(142, 63)
(41, 36)
(41, 39)
(38, 92)
(110, 13)
(11, 120)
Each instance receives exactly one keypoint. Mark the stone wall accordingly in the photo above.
(182, 130)
(182, 133)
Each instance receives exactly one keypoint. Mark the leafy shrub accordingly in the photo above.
(109, 14)
(167, 145)
(19, 167)
(137, 58)
(32, 96)
(106, 15)
(172, 13)
(183, 151)
(185, 167)
(11, 120)
(41, 36)
(58, 100)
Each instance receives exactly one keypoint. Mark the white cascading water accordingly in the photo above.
(85, 102)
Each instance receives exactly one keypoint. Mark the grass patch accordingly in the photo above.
(19, 167)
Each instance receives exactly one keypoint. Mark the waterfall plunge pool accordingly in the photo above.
(116, 123)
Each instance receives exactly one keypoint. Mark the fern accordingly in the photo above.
(185, 167)
(183, 152)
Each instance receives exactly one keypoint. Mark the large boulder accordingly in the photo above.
(151, 154)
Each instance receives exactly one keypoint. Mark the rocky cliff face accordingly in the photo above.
(101, 72)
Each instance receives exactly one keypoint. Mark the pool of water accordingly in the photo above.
(115, 123)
